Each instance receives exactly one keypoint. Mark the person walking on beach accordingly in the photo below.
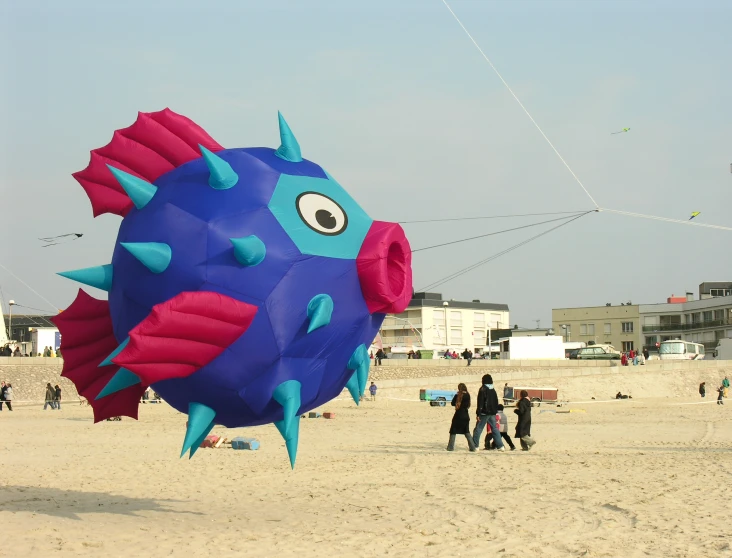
(379, 355)
(461, 419)
(703, 389)
(645, 353)
(372, 391)
(467, 355)
(523, 426)
(503, 429)
(50, 397)
(2, 395)
(485, 410)
(9, 395)
(725, 385)
(720, 397)
(57, 397)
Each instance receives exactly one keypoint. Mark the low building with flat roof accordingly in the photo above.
(618, 326)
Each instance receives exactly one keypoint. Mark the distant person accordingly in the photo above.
(16, 352)
(507, 393)
(641, 359)
(372, 391)
(9, 395)
(720, 397)
(380, 354)
(2, 394)
(46, 352)
(57, 398)
(703, 389)
(50, 397)
(502, 420)
(467, 355)
(485, 410)
(523, 426)
(725, 385)
(461, 419)
(645, 353)
(418, 355)
(448, 354)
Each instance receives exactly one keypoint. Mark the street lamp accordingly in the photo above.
(565, 327)
(11, 303)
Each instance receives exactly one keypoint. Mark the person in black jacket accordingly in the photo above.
(486, 410)
(523, 426)
(461, 418)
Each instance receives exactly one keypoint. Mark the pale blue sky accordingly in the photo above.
(395, 102)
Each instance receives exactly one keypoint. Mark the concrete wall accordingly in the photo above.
(29, 377)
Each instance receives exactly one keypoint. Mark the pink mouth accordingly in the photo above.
(385, 268)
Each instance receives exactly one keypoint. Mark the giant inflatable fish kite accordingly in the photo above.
(245, 284)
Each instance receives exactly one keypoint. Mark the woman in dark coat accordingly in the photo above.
(523, 426)
(461, 418)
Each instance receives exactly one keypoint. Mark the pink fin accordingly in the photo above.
(155, 144)
(87, 339)
(184, 334)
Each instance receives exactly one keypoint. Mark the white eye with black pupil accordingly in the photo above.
(321, 213)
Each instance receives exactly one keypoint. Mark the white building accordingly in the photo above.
(429, 322)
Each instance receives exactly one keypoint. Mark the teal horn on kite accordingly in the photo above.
(359, 363)
(155, 256)
(289, 149)
(139, 191)
(108, 361)
(287, 394)
(200, 423)
(249, 251)
(222, 176)
(320, 310)
(99, 277)
(121, 380)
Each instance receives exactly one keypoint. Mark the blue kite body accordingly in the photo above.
(245, 284)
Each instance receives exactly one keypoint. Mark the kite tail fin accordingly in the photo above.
(87, 341)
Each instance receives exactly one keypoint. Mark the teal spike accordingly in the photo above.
(287, 394)
(200, 423)
(108, 361)
(139, 191)
(354, 387)
(320, 310)
(289, 149)
(99, 276)
(155, 256)
(249, 251)
(121, 380)
(222, 176)
(360, 362)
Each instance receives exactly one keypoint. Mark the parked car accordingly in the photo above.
(571, 353)
(598, 352)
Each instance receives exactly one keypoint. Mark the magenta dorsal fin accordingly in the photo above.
(88, 339)
(156, 143)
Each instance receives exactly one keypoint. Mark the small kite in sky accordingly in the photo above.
(621, 131)
(694, 214)
(60, 239)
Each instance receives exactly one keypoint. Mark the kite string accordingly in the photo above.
(666, 219)
(520, 103)
(31, 288)
(488, 217)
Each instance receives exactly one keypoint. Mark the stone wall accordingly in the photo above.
(29, 377)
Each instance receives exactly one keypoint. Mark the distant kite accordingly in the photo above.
(621, 131)
(61, 239)
(694, 214)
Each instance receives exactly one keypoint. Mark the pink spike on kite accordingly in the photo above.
(155, 144)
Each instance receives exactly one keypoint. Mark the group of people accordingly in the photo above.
(6, 395)
(722, 390)
(634, 357)
(47, 352)
(53, 397)
(489, 414)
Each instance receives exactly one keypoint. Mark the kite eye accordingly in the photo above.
(321, 213)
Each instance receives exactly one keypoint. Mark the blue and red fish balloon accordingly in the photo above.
(245, 284)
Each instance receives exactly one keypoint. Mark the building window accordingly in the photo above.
(438, 316)
(720, 292)
(479, 320)
(651, 341)
(696, 318)
(627, 327)
(608, 329)
(495, 321)
(583, 329)
(438, 336)
(479, 338)
(627, 346)
(707, 317)
(456, 318)
(456, 336)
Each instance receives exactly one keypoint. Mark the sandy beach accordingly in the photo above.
(640, 477)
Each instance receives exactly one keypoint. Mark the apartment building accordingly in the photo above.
(618, 326)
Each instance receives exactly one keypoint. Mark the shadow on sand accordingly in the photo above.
(69, 503)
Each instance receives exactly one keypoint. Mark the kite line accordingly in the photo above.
(520, 104)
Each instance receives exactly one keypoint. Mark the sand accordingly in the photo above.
(641, 477)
